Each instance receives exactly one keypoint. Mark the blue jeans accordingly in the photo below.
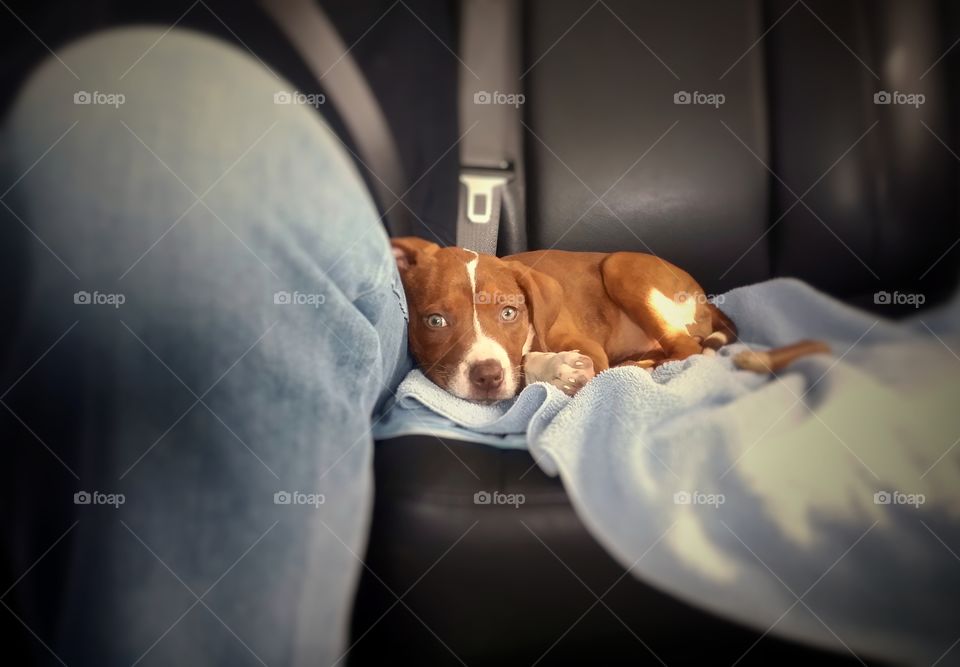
(205, 317)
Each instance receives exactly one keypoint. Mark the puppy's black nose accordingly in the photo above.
(486, 374)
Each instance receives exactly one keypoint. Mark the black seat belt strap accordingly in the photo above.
(491, 151)
(317, 41)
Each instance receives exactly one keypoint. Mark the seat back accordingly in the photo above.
(741, 140)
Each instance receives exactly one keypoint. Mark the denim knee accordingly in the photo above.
(169, 148)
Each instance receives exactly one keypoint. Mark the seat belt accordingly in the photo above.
(315, 38)
(492, 200)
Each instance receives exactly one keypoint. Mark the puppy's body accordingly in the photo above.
(481, 326)
(626, 307)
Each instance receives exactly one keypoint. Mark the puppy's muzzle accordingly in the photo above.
(486, 375)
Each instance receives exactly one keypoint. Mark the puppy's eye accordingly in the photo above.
(436, 321)
(509, 314)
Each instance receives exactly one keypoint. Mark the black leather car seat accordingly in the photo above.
(715, 190)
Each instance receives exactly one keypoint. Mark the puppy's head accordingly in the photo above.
(473, 317)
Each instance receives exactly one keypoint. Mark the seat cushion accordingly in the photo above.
(511, 583)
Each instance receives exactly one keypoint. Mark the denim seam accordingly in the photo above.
(395, 287)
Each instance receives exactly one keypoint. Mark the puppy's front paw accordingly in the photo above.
(573, 371)
(567, 371)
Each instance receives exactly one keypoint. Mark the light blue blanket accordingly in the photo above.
(823, 505)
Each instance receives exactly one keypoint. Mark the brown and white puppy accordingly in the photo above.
(481, 327)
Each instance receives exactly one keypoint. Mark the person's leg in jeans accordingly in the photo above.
(147, 249)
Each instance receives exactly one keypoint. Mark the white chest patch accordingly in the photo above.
(482, 348)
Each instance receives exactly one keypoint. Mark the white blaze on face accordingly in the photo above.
(529, 342)
(483, 347)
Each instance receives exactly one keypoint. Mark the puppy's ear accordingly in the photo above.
(408, 250)
(543, 296)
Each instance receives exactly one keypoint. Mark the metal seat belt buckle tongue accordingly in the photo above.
(481, 202)
(483, 193)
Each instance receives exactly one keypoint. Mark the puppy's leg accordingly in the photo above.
(724, 330)
(662, 299)
(648, 361)
(567, 371)
(673, 335)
